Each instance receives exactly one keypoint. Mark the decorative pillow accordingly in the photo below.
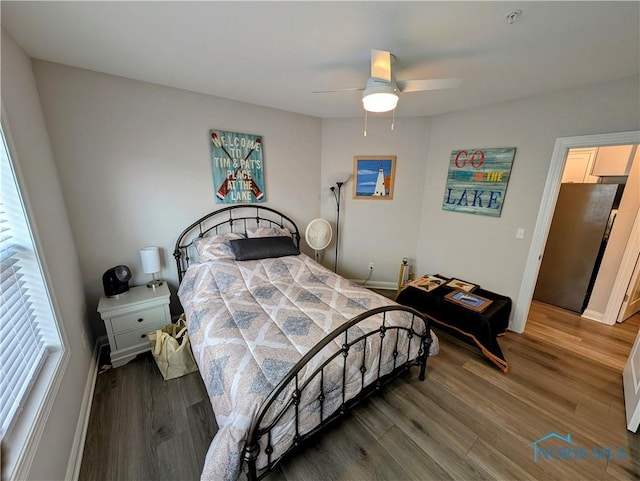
(263, 248)
(216, 246)
(268, 232)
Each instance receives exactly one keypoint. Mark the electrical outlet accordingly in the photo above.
(371, 266)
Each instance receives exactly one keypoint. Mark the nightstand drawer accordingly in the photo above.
(135, 337)
(138, 320)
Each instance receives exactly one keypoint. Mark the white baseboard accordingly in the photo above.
(593, 315)
(377, 284)
(77, 449)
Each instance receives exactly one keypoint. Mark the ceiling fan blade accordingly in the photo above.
(350, 89)
(381, 65)
(428, 84)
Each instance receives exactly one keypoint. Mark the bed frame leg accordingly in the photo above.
(426, 346)
(251, 456)
(423, 369)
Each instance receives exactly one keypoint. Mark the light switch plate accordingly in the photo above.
(520, 233)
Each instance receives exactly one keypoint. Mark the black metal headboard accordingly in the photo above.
(235, 218)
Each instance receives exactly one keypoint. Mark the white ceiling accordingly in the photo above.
(276, 53)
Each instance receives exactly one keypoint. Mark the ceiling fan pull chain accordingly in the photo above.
(393, 119)
(365, 123)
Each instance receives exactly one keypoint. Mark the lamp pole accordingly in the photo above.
(338, 187)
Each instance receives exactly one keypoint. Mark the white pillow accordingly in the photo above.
(216, 246)
(268, 232)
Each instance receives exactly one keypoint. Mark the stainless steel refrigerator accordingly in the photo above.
(582, 220)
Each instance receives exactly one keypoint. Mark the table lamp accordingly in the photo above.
(150, 257)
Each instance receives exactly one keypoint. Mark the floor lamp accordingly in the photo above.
(335, 189)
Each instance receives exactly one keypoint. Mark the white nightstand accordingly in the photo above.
(130, 318)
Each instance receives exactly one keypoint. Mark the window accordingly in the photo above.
(29, 336)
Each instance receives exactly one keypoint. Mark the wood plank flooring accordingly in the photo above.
(467, 421)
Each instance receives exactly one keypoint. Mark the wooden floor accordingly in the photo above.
(467, 421)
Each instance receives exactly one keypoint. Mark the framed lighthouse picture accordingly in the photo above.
(373, 177)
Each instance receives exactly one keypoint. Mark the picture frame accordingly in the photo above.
(477, 180)
(462, 285)
(470, 301)
(374, 176)
(237, 166)
(427, 283)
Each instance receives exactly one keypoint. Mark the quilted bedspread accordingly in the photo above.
(251, 321)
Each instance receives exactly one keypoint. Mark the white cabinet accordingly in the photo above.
(615, 160)
(129, 319)
(578, 166)
(588, 165)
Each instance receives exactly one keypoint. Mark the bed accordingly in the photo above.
(284, 345)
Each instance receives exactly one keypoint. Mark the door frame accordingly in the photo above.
(545, 214)
(625, 274)
(630, 386)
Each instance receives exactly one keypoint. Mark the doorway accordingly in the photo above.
(576, 244)
(579, 258)
(545, 214)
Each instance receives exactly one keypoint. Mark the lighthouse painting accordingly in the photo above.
(373, 177)
(380, 189)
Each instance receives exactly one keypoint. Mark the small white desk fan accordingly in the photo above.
(318, 235)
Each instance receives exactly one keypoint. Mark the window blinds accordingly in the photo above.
(25, 304)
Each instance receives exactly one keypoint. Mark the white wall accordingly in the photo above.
(123, 146)
(134, 162)
(484, 249)
(42, 189)
(476, 248)
(378, 231)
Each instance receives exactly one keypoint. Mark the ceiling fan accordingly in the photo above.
(380, 94)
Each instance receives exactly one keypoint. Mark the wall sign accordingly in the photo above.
(237, 166)
(477, 180)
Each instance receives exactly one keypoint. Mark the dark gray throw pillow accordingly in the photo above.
(263, 248)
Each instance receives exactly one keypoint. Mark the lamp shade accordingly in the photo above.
(342, 177)
(150, 257)
(380, 102)
(380, 96)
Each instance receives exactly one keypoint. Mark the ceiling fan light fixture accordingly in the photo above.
(379, 96)
(380, 101)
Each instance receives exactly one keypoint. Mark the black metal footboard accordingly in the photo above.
(367, 359)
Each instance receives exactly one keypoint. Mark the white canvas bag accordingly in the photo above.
(171, 349)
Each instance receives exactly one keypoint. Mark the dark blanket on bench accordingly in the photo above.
(479, 328)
